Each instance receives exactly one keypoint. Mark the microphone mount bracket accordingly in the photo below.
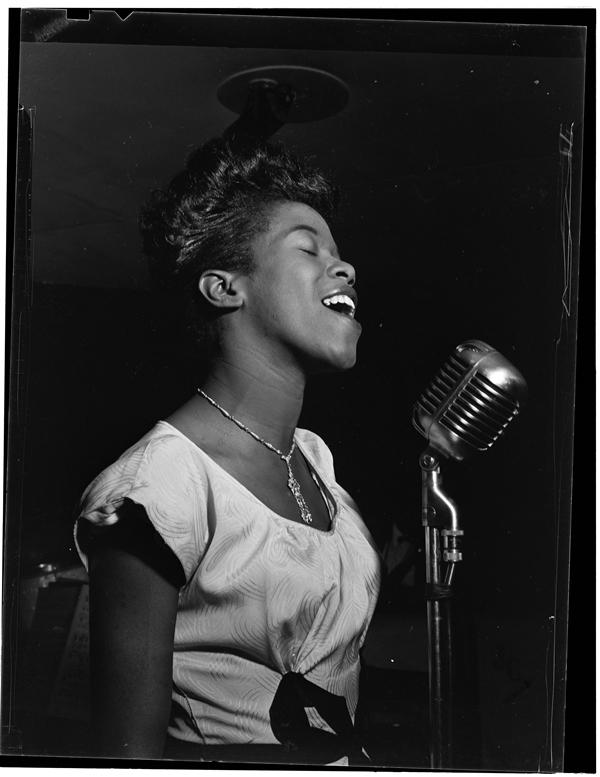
(439, 517)
(442, 551)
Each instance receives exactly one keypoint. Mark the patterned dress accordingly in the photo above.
(264, 595)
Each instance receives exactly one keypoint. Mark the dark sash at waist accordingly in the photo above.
(178, 750)
(322, 737)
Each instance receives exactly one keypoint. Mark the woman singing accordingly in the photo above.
(232, 579)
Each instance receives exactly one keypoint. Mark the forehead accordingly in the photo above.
(285, 218)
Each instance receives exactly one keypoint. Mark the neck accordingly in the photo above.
(267, 400)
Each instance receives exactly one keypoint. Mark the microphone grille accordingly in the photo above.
(470, 401)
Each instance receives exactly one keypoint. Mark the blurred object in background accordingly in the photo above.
(52, 711)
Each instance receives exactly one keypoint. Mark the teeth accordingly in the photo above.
(341, 299)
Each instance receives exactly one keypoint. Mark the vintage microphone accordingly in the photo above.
(465, 408)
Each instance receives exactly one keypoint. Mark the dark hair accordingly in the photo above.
(210, 212)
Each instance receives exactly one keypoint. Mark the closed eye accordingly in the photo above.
(306, 251)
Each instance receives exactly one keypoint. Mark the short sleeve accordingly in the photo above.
(170, 483)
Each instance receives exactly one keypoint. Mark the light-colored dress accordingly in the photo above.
(263, 596)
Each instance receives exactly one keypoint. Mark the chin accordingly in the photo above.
(334, 362)
(347, 363)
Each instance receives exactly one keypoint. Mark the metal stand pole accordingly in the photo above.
(442, 552)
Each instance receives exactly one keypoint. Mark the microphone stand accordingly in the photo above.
(442, 552)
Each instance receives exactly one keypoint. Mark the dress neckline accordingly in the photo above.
(325, 489)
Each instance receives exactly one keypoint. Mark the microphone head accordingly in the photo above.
(470, 402)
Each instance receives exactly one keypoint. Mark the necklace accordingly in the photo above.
(292, 483)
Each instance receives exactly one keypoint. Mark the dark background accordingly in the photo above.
(448, 157)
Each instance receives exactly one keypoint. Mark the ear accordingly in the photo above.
(220, 288)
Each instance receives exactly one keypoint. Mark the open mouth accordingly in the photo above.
(340, 303)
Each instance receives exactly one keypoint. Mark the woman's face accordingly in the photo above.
(300, 297)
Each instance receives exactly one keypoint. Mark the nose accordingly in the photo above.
(341, 269)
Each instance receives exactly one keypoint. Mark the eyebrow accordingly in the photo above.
(308, 228)
(296, 227)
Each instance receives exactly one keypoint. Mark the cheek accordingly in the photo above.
(293, 306)
(280, 312)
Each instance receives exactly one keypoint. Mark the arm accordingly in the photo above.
(134, 583)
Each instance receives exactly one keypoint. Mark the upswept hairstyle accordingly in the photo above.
(208, 215)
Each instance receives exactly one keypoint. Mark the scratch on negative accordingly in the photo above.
(548, 747)
(565, 147)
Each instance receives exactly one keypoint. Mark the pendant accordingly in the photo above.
(294, 487)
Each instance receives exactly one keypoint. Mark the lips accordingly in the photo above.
(341, 302)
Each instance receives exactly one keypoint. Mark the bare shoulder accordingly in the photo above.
(194, 421)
